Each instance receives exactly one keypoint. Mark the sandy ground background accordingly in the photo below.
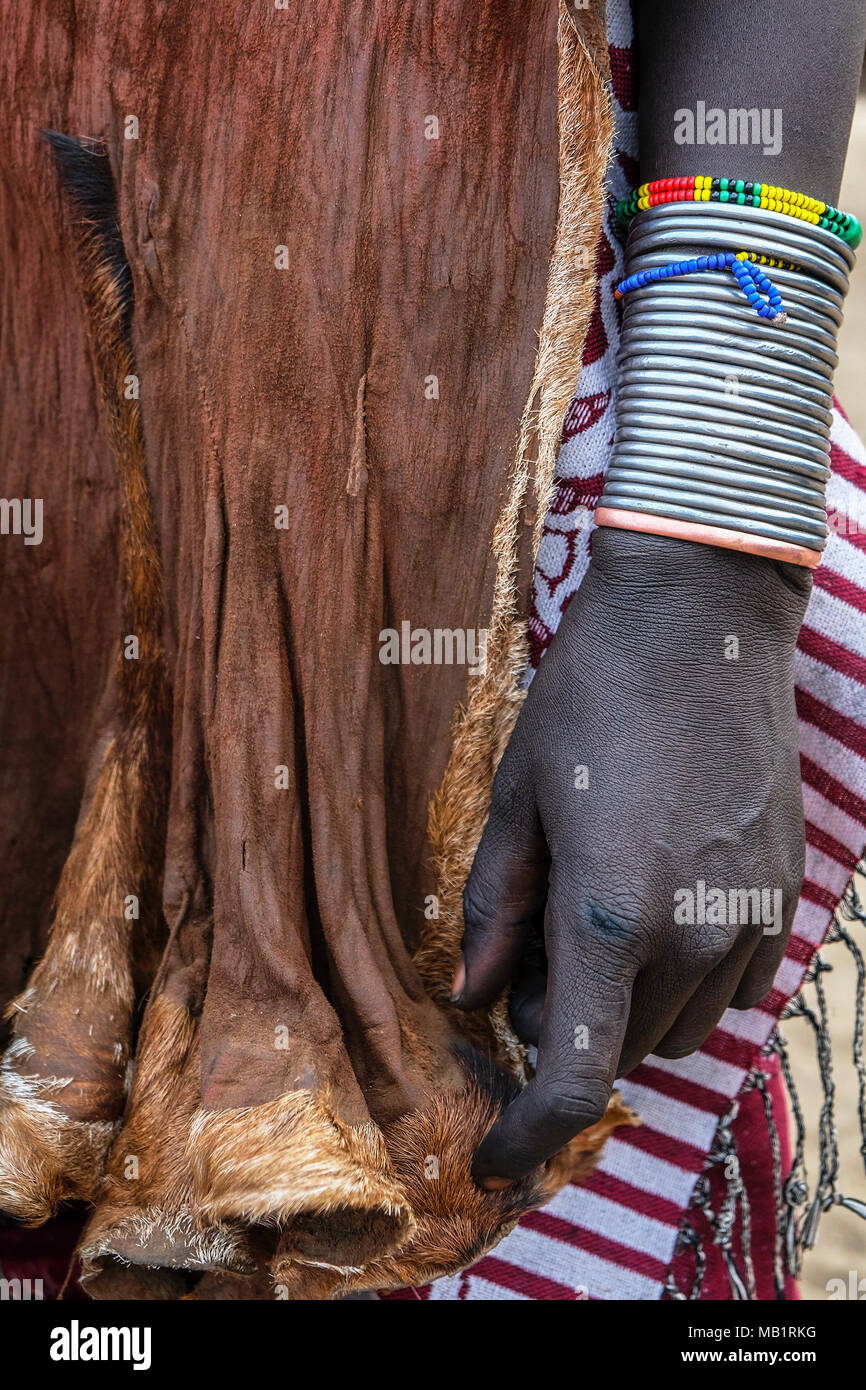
(841, 1245)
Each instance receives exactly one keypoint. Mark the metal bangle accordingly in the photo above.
(681, 239)
(686, 295)
(818, 376)
(720, 288)
(704, 516)
(677, 367)
(680, 245)
(729, 478)
(786, 344)
(662, 444)
(756, 459)
(664, 224)
(819, 238)
(727, 505)
(704, 491)
(673, 370)
(716, 448)
(651, 314)
(730, 506)
(719, 301)
(658, 392)
(646, 406)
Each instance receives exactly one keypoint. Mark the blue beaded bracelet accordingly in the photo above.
(750, 278)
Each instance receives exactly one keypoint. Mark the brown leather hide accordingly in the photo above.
(291, 1067)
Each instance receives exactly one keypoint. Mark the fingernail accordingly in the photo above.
(458, 984)
(495, 1184)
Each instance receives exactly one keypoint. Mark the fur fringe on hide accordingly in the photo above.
(291, 1165)
(143, 1234)
(44, 1154)
(457, 1221)
(284, 1201)
(76, 1013)
(216, 1190)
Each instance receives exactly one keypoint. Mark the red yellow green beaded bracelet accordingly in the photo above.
(700, 189)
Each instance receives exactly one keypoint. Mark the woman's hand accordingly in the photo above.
(647, 821)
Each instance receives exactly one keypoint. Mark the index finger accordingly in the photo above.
(583, 1025)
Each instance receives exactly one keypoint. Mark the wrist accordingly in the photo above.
(678, 586)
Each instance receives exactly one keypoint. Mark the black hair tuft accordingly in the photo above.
(85, 171)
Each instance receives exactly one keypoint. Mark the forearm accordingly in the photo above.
(793, 57)
(784, 81)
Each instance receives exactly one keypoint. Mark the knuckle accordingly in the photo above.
(792, 888)
(749, 996)
(674, 1048)
(707, 953)
(575, 1107)
(583, 930)
(509, 784)
(491, 911)
(477, 916)
(789, 866)
(524, 1012)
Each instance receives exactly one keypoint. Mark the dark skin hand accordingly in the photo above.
(691, 774)
(653, 752)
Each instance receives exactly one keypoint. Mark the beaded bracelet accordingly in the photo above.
(756, 286)
(701, 189)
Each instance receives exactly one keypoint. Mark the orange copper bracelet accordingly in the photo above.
(719, 536)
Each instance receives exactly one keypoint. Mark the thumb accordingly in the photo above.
(504, 894)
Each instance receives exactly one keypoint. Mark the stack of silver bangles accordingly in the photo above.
(723, 417)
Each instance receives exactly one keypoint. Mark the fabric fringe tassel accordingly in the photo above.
(798, 1208)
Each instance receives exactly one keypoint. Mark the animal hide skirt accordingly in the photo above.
(295, 302)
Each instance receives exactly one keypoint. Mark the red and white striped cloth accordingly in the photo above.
(613, 1237)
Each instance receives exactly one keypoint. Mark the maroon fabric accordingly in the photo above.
(753, 1147)
(46, 1254)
